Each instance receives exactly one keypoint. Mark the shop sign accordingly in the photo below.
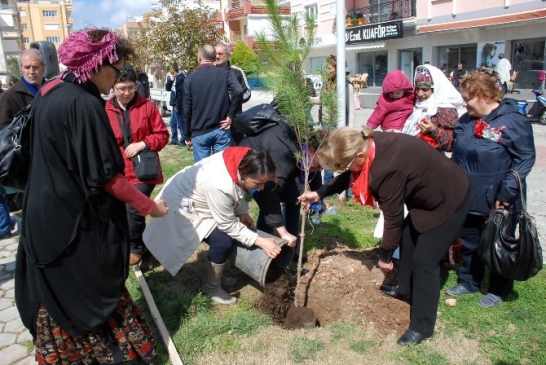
(374, 32)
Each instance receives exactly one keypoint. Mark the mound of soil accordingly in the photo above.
(342, 285)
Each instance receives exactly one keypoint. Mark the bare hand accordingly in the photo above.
(426, 126)
(386, 267)
(499, 204)
(308, 198)
(160, 209)
(288, 237)
(188, 142)
(225, 124)
(247, 221)
(134, 148)
(269, 246)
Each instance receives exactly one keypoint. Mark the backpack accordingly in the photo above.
(15, 145)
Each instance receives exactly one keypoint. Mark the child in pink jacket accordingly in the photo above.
(395, 103)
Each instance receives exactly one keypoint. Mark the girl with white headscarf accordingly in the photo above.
(438, 106)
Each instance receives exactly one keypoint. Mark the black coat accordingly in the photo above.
(70, 220)
(281, 144)
(13, 101)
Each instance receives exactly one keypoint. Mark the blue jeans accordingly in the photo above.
(5, 219)
(215, 141)
(177, 125)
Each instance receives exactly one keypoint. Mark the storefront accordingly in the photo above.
(374, 62)
(528, 57)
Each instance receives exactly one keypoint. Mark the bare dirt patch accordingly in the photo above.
(342, 284)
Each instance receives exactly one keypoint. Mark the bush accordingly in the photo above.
(245, 58)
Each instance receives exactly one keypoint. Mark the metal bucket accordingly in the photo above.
(255, 263)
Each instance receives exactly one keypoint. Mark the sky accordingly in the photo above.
(107, 13)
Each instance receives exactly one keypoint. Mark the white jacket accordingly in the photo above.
(217, 201)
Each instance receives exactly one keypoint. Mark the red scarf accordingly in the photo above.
(232, 159)
(361, 191)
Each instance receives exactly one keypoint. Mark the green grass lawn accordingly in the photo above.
(513, 333)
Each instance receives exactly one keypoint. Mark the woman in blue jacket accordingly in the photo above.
(490, 139)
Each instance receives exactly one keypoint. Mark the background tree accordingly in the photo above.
(245, 58)
(14, 69)
(176, 36)
(284, 47)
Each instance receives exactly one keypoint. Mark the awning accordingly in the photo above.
(483, 22)
(366, 46)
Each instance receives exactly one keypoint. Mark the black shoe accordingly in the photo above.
(412, 338)
(175, 143)
(390, 291)
(5, 235)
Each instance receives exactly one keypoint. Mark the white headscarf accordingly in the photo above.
(445, 95)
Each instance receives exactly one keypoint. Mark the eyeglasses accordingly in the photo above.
(339, 167)
(129, 89)
(118, 71)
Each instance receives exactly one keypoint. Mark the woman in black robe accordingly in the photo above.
(72, 261)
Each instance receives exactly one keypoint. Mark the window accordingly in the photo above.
(53, 39)
(25, 40)
(49, 13)
(22, 13)
(24, 26)
(51, 26)
(312, 10)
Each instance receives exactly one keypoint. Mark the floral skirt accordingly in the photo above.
(125, 338)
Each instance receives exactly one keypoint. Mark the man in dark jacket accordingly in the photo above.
(222, 60)
(22, 93)
(211, 98)
(175, 84)
(12, 102)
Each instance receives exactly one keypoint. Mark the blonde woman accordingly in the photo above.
(380, 170)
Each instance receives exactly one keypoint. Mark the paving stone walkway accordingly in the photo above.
(16, 346)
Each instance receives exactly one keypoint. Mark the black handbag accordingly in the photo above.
(146, 163)
(513, 258)
(15, 141)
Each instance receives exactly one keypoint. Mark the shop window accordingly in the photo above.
(452, 55)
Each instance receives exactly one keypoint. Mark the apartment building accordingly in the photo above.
(10, 34)
(383, 35)
(243, 19)
(45, 20)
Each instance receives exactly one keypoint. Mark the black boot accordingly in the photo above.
(412, 338)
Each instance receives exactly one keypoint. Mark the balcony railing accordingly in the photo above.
(240, 8)
(379, 13)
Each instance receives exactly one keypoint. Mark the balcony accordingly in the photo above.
(241, 8)
(8, 9)
(379, 13)
(10, 33)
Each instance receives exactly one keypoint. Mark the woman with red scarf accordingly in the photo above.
(378, 168)
(208, 200)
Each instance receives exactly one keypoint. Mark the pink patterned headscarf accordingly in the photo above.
(83, 57)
